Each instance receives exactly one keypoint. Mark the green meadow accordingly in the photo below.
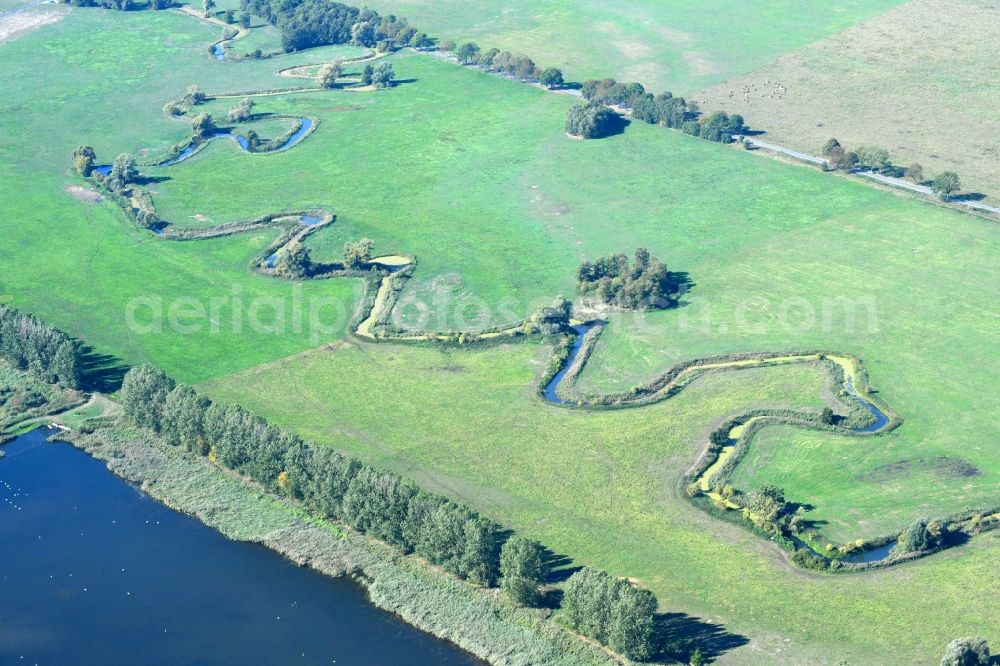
(664, 44)
(474, 176)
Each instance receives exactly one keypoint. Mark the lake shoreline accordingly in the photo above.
(474, 620)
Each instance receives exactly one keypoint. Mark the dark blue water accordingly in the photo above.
(873, 555)
(880, 418)
(550, 388)
(94, 572)
(219, 51)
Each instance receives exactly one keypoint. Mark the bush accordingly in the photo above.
(551, 78)
(967, 652)
(945, 184)
(590, 121)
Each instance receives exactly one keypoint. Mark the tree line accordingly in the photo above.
(514, 65)
(44, 351)
(663, 109)
(307, 23)
(645, 284)
(385, 506)
(873, 158)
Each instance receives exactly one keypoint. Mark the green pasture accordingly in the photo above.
(666, 44)
(604, 487)
(474, 176)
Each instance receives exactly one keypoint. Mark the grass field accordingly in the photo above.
(666, 45)
(474, 176)
(917, 80)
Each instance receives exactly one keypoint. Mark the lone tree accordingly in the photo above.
(123, 171)
(382, 75)
(242, 112)
(358, 255)
(245, 21)
(945, 184)
(914, 172)
(208, 6)
(521, 570)
(230, 16)
(467, 53)
(551, 77)
(328, 74)
(967, 652)
(83, 160)
(827, 416)
(420, 40)
(366, 75)
(828, 147)
(203, 125)
(590, 121)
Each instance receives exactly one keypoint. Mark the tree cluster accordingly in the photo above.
(646, 284)
(307, 23)
(591, 120)
(551, 319)
(611, 611)
(380, 76)
(123, 173)
(514, 65)
(42, 350)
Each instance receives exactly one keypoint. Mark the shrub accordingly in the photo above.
(967, 652)
(590, 121)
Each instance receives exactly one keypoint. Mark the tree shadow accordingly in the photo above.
(968, 196)
(615, 126)
(100, 372)
(558, 568)
(679, 634)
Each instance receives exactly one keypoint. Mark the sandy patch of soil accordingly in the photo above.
(84, 194)
(20, 24)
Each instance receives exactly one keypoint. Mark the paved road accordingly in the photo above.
(888, 180)
(805, 157)
(11, 12)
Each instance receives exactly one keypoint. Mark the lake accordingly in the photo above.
(94, 572)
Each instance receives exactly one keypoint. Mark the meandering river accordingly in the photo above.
(94, 572)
